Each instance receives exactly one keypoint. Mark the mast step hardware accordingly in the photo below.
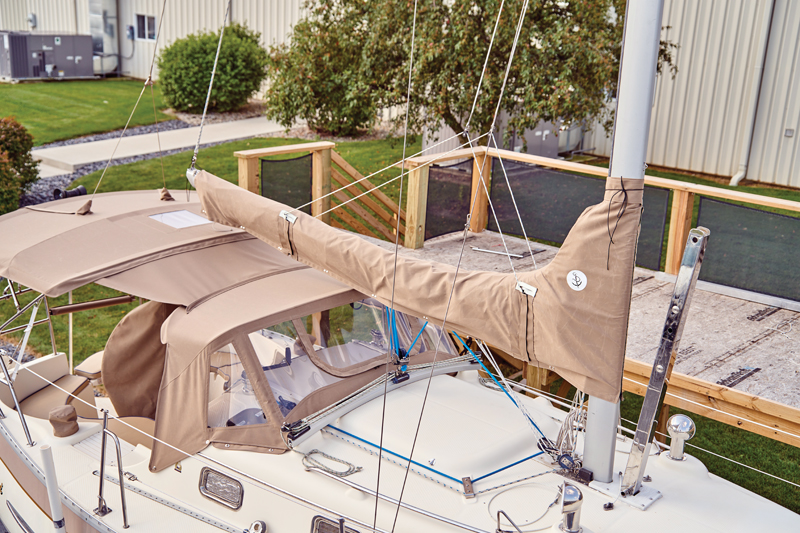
(665, 359)
(469, 491)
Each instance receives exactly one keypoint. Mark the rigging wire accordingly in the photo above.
(135, 106)
(394, 271)
(296, 499)
(387, 182)
(298, 208)
(210, 86)
(166, 194)
(485, 64)
(513, 199)
(491, 205)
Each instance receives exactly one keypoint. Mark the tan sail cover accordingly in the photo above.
(575, 325)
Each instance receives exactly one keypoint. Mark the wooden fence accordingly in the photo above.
(334, 182)
(375, 214)
(682, 201)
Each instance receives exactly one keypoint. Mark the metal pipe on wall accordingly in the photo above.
(758, 82)
(636, 88)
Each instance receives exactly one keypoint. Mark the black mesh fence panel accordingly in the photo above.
(751, 249)
(550, 201)
(287, 181)
(448, 198)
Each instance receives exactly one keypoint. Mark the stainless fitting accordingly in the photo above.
(571, 503)
(681, 428)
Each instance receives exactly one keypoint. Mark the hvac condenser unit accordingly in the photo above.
(26, 56)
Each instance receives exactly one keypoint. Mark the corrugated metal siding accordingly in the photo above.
(274, 19)
(774, 157)
(52, 16)
(699, 120)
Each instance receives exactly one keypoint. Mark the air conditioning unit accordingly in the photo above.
(26, 56)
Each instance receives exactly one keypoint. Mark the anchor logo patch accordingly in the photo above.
(576, 280)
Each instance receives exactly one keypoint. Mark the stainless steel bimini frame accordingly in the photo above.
(35, 302)
(665, 359)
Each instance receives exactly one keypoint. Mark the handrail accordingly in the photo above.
(666, 183)
(730, 406)
(102, 508)
(258, 153)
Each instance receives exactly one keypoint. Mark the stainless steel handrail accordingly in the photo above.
(102, 508)
(499, 529)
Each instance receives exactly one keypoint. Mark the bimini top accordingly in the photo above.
(132, 242)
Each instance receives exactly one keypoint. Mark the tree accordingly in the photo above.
(185, 69)
(565, 66)
(18, 170)
(318, 77)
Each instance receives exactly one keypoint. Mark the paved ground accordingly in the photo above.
(751, 346)
(70, 158)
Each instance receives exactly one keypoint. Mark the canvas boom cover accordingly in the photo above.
(575, 325)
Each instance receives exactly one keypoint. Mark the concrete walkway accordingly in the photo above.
(64, 159)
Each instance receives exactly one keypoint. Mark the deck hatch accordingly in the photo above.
(221, 488)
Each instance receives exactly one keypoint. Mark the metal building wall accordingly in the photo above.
(774, 156)
(52, 16)
(274, 19)
(699, 120)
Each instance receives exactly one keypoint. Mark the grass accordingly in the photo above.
(366, 156)
(53, 111)
(93, 327)
(776, 458)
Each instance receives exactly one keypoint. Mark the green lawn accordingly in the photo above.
(366, 156)
(770, 456)
(53, 111)
(93, 327)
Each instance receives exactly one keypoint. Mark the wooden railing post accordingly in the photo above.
(481, 166)
(321, 184)
(416, 205)
(248, 174)
(680, 222)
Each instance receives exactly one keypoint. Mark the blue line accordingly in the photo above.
(396, 455)
(506, 467)
(496, 382)
(417, 337)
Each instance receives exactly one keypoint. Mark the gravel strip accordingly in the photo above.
(138, 130)
(8, 349)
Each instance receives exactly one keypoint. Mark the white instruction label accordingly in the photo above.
(576, 280)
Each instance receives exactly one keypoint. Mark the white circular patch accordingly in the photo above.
(576, 280)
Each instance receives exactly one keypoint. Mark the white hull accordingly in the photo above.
(467, 430)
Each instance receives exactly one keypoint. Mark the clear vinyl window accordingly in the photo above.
(345, 340)
(231, 399)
